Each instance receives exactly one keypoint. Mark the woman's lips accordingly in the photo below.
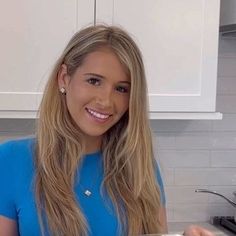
(97, 115)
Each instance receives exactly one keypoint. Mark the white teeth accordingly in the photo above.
(98, 115)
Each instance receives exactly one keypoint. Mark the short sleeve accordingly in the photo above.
(160, 184)
(7, 203)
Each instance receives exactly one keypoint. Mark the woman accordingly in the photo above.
(90, 169)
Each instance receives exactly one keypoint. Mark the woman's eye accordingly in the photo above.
(122, 89)
(94, 81)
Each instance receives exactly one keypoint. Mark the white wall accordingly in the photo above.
(201, 154)
(193, 154)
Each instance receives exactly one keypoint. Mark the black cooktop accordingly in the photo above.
(226, 222)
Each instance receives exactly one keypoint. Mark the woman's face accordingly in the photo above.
(97, 94)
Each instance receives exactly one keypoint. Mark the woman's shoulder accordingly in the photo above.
(16, 149)
(17, 143)
(16, 172)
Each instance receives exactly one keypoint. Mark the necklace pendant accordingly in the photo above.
(87, 193)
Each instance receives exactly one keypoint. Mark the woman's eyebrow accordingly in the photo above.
(125, 82)
(94, 74)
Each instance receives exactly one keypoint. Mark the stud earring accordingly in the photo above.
(62, 90)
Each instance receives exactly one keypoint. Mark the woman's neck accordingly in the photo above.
(92, 144)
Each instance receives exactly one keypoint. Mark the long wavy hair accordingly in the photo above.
(128, 159)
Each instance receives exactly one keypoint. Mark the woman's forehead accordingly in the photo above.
(104, 62)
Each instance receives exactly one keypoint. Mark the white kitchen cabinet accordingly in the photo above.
(33, 34)
(179, 41)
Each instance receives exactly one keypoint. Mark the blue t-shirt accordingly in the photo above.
(17, 199)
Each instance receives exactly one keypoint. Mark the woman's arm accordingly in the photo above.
(163, 219)
(8, 227)
(192, 230)
(195, 230)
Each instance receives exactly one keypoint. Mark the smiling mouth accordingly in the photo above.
(98, 115)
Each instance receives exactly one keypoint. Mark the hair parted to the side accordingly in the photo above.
(127, 149)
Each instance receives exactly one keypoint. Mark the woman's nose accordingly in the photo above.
(104, 98)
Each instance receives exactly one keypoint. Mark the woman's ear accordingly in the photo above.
(63, 77)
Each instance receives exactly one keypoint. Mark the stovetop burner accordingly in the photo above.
(226, 222)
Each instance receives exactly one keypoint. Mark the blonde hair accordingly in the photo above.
(129, 167)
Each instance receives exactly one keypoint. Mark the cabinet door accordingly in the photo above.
(33, 35)
(179, 41)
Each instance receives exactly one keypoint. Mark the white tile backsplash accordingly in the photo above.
(223, 158)
(205, 176)
(191, 176)
(193, 140)
(226, 103)
(222, 176)
(201, 154)
(192, 154)
(223, 140)
(170, 212)
(168, 175)
(15, 126)
(185, 194)
(164, 141)
(185, 158)
(225, 190)
(220, 210)
(226, 86)
(227, 65)
(181, 125)
(228, 123)
(188, 212)
(227, 48)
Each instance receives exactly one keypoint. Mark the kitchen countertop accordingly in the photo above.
(178, 228)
